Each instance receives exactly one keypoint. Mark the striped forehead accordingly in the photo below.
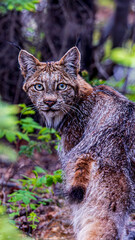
(50, 77)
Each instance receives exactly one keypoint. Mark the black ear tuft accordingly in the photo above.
(71, 62)
(76, 195)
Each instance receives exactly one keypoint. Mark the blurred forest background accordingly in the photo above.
(31, 195)
(49, 28)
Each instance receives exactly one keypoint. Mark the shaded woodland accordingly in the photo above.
(104, 32)
(55, 27)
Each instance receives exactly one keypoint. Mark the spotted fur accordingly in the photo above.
(97, 127)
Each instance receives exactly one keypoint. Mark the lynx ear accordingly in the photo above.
(71, 61)
(28, 63)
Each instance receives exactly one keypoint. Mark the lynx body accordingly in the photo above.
(97, 127)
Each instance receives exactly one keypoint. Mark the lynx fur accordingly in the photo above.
(97, 127)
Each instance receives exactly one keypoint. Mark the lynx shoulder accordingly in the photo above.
(97, 127)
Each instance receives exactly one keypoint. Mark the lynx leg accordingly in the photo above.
(80, 178)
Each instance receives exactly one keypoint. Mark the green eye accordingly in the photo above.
(38, 87)
(61, 86)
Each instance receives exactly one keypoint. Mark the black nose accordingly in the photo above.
(50, 103)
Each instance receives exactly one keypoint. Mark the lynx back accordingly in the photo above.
(97, 127)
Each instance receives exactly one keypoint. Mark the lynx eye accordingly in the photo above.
(38, 87)
(61, 86)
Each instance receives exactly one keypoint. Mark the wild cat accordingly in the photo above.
(97, 127)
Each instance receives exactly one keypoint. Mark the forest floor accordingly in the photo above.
(54, 218)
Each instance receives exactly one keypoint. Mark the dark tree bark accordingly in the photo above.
(51, 22)
(117, 26)
(65, 21)
(120, 24)
(117, 29)
(10, 78)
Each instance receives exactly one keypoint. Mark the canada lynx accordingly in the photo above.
(97, 127)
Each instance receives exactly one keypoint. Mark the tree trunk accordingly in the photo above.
(10, 78)
(65, 21)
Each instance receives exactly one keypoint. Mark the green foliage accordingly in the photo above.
(28, 197)
(22, 195)
(8, 116)
(33, 219)
(96, 82)
(29, 149)
(107, 49)
(106, 3)
(131, 97)
(123, 56)
(116, 84)
(25, 128)
(32, 49)
(96, 36)
(7, 230)
(28, 125)
(43, 139)
(7, 153)
(85, 75)
(26, 110)
(8, 125)
(18, 5)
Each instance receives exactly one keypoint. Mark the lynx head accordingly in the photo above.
(51, 86)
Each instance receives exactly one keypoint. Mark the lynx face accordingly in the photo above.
(52, 87)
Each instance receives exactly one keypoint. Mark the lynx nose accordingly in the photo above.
(50, 103)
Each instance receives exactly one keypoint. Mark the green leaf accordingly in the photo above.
(10, 136)
(43, 180)
(11, 215)
(29, 125)
(2, 133)
(58, 136)
(8, 153)
(19, 8)
(44, 130)
(123, 56)
(33, 206)
(49, 180)
(22, 105)
(10, 7)
(26, 110)
(38, 183)
(21, 195)
(59, 171)
(36, 174)
(46, 137)
(35, 1)
(57, 176)
(40, 170)
(31, 4)
(29, 8)
(26, 200)
(23, 136)
(29, 112)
